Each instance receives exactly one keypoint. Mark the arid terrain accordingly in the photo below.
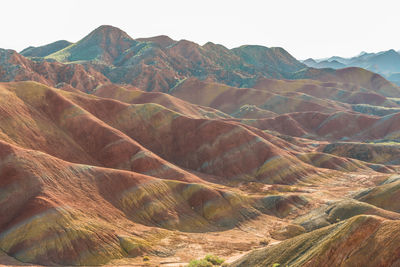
(157, 152)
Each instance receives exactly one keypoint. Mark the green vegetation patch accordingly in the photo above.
(208, 261)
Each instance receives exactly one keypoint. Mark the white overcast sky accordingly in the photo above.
(305, 28)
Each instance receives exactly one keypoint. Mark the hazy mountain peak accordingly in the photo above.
(107, 35)
(311, 60)
(161, 40)
(45, 50)
(103, 44)
(108, 29)
(391, 52)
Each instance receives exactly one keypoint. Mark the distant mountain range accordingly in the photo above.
(110, 55)
(167, 62)
(386, 63)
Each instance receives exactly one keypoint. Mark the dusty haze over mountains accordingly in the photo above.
(119, 149)
(309, 28)
(386, 63)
